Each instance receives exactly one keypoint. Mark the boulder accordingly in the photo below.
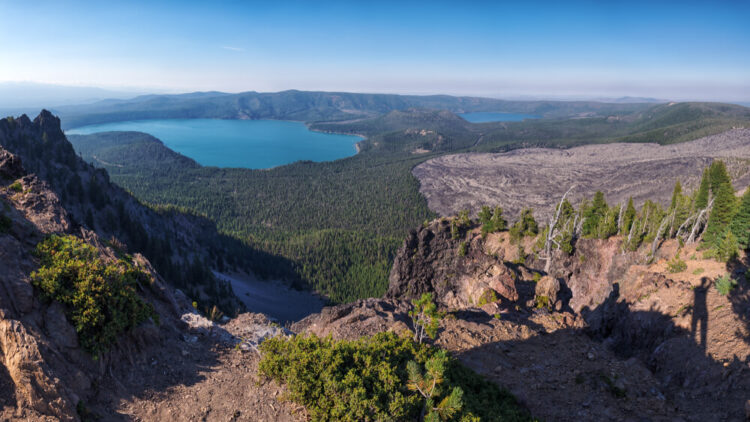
(549, 287)
(36, 387)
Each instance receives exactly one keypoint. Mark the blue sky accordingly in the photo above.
(676, 50)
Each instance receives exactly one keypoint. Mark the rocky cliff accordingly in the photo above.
(183, 247)
(46, 373)
(606, 334)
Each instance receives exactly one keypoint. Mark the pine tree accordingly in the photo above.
(428, 385)
(425, 317)
(701, 198)
(740, 225)
(525, 226)
(628, 217)
(721, 214)
(498, 222)
(676, 194)
(608, 224)
(594, 214)
(727, 247)
(718, 176)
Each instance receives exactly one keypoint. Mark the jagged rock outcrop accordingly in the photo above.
(430, 261)
(60, 193)
(353, 320)
(643, 334)
(10, 166)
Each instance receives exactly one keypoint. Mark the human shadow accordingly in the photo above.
(624, 364)
(699, 320)
(739, 296)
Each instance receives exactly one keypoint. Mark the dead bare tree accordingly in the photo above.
(659, 231)
(619, 218)
(552, 232)
(699, 222)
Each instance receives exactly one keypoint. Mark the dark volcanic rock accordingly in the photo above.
(10, 166)
(429, 261)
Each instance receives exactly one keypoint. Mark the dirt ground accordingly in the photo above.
(538, 177)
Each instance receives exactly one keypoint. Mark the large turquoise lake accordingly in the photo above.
(484, 117)
(255, 144)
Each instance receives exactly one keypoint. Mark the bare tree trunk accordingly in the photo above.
(685, 224)
(619, 218)
(551, 232)
(658, 234)
(693, 232)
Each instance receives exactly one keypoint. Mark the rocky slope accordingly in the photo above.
(182, 247)
(46, 375)
(618, 337)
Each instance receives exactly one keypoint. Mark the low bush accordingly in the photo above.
(16, 187)
(725, 284)
(100, 298)
(368, 379)
(488, 296)
(462, 249)
(542, 302)
(676, 265)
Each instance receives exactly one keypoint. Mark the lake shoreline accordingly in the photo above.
(259, 144)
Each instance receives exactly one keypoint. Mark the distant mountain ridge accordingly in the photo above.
(24, 95)
(312, 106)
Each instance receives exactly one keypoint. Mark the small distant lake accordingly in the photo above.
(484, 117)
(254, 144)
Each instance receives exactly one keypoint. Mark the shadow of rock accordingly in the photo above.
(625, 365)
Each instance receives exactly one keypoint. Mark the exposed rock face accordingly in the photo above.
(41, 206)
(10, 166)
(36, 388)
(548, 287)
(429, 261)
(353, 320)
(61, 193)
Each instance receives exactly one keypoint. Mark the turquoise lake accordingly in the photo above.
(254, 144)
(484, 117)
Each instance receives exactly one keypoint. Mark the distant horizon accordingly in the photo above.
(580, 49)
(129, 93)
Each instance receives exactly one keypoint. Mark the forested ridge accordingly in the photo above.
(339, 223)
(336, 225)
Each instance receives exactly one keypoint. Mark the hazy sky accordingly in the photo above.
(676, 50)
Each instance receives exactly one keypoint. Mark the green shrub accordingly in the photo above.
(462, 249)
(16, 187)
(698, 271)
(367, 379)
(488, 296)
(676, 265)
(728, 248)
(542, 302)
(428, 385)
(725, 284)
(521, 252)
(425, 317)
(100, 298)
